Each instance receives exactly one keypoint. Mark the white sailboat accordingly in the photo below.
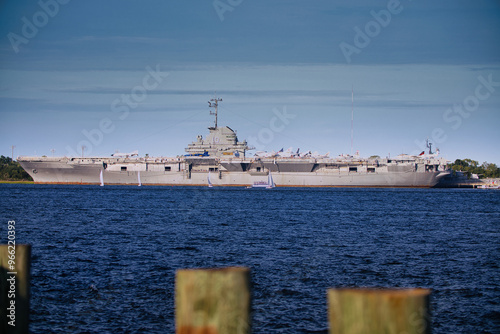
(263, 184)
(270, 181)
(101, 178)
(210, 185)
(139, 178)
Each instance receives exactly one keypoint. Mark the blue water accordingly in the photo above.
(104, 258)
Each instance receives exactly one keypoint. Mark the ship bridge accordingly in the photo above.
(221, 141)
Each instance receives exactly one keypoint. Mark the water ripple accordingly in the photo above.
(104, 258)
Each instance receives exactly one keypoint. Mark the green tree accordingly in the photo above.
(470, 166)
(12, 170)
(490, 170)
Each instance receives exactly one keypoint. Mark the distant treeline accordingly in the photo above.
(12, 170)
(486, 170)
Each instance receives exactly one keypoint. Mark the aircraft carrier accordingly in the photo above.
(221, 159)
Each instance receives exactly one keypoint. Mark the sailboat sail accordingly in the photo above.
(209, 182)
(263, 184)
(101, 178)
(139, 178)
(270, 182)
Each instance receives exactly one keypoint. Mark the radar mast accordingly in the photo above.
(429, 145)
(214, 103)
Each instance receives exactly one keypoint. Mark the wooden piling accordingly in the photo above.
(374, 311)
(212, 301)
(14, 312)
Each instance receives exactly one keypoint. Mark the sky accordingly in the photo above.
(136, 75)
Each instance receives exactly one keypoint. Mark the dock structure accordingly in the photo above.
(217, 301)
(378, 311)
(490, 183)
(213, 301)
(468, 183)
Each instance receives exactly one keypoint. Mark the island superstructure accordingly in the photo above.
(221, 159)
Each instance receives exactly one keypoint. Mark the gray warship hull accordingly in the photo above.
(201, 171)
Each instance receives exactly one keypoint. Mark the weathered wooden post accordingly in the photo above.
(212, 301)
(15, 288)
(391, 311)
